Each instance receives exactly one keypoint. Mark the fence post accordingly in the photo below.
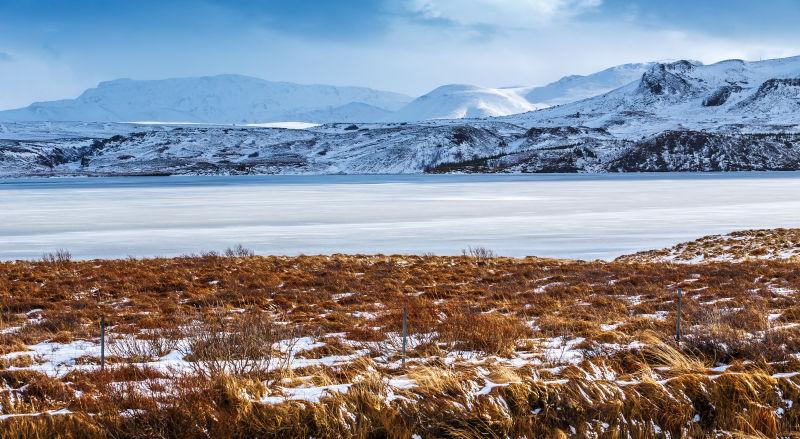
(102, 342)
(405, 334)
(678, 317)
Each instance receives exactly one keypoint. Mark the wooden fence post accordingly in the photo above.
(102, 342)
(678, 317)
(405, 334)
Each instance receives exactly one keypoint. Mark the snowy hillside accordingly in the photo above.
(459, 101)
(730, 95)
(212, 99)
(438, 146)
(678, 116)
(577, 87)
(236, 99)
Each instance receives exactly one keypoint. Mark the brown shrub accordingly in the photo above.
(146, 347)
(557, 326)
(47, 390)
(493, 334)
(332, 346)
(74, 426)
(62, 337)
(10, 343)
(239, 346)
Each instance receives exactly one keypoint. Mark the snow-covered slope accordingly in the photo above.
(678, 116)
(211, 99)
(460, 101)
(437, 146)
(729, 95)
(236, 99)
(577, 87)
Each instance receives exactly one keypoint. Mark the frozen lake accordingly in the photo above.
(577, 216)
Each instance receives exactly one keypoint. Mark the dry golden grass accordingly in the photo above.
(737, 246)
(550, 348)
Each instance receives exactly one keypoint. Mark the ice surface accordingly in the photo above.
(577, 216)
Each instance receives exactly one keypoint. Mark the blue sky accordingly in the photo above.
(53, 49)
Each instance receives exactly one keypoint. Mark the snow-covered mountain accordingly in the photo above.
(460, 101)
(577, 87)
(678, 116)
(213, 99)
(729, 95)
(236, 99)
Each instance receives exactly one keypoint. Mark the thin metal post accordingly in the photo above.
(405, 334)
(103, 343)
(678, 317)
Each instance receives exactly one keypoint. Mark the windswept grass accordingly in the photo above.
(247, 346)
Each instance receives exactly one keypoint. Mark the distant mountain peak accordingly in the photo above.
(226, 98)
(619, 96)
(686, 94)
(578, 87)
(457, 101)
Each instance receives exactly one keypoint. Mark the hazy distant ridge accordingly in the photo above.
(236, 99)
(209, 99)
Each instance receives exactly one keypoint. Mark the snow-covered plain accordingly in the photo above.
(575, 216)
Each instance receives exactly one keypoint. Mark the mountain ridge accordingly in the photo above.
(223, 98)
(678, 116)
(232, 98)
(685, 94)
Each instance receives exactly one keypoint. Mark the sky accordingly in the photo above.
(55, 49)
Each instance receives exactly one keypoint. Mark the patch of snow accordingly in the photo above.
(286, 125)
(45, 413)
(658, 315)
(561, 350)
(310, 394)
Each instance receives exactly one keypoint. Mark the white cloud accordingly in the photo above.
(411, 57)
(416, 58)
(502, 13)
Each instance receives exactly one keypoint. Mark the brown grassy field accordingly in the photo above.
(774, 244)
(249, 346)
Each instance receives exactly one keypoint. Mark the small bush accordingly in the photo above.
(153, 345)
(47, 391)
(478, 253)
(494, 333)
(240, 346)
(59, 256)
(239, 251)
